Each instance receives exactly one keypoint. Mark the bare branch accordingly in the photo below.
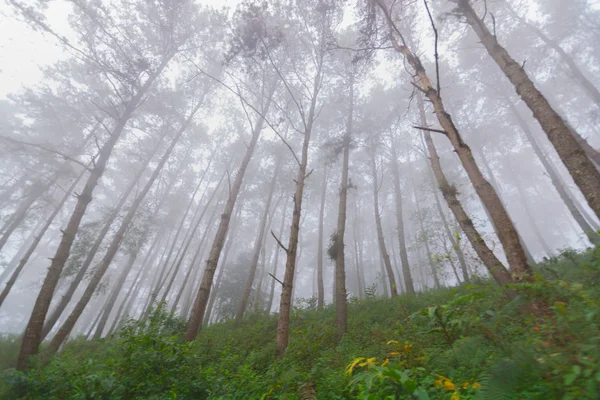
(422, 128)
(279, 242)
(437, 56)
(274, 277)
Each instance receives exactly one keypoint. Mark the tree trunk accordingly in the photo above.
(276, 261)
(380, 238)
(241, 308)
(193, 263)
(213, 295)
(581, 168)
(508, 234)
(408, 280)
(554, 177)
(89, 258)
(37, 239)
(283, 323)
(102, 267)
(358, 253)
(36, 191)
(449, 192)
(33, 331)
(201, 301)
(320, 287)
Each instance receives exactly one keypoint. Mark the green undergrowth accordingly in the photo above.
(475, 341)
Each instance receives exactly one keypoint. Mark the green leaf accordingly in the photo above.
(410, 385)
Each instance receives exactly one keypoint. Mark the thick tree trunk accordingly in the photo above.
(449, 192)
(320, 287)
(201, 301)
(37, 239)
(241, 308)
(380, 238)
(554, 177)
(102, 267)
(406, 273)
(581, 168)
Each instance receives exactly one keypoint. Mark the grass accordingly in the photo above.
(467, 342)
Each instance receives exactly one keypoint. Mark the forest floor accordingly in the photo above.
(466, 342)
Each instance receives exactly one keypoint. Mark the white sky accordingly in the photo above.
(24, 51)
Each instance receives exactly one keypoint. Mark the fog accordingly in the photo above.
(226, 160)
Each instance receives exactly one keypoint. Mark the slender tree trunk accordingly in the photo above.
(408, 280)
(213, 296)
(320, 287)
(17, 218)
(453, 241)
(380, 238)
(581, 168)
(554, 177)
(283, 323)
(449, 192)
(201, 301)
(257, 247)
(102, 267)
(37, 239)
(193, 263)
(358, 253)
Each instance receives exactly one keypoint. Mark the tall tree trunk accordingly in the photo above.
(408, 280)
(341, 295)
(581, 168)
(213, 295)
(380, 238)
(241, 308)
(449, 192)
(553, 174)
(508, 234)
(33, 331)
(358, 253)
(37, 239)
(283, 322)
(320, 287)
(114, 245)
(201, 301)
(89, 258)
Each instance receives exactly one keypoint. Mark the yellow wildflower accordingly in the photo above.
(392, 341)
(394, 353)
(476, 385)
(455, 397)
(465, 385)
(448, 385)
(383, 364)
(438, 383)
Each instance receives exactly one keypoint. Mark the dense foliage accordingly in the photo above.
(475, 341)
